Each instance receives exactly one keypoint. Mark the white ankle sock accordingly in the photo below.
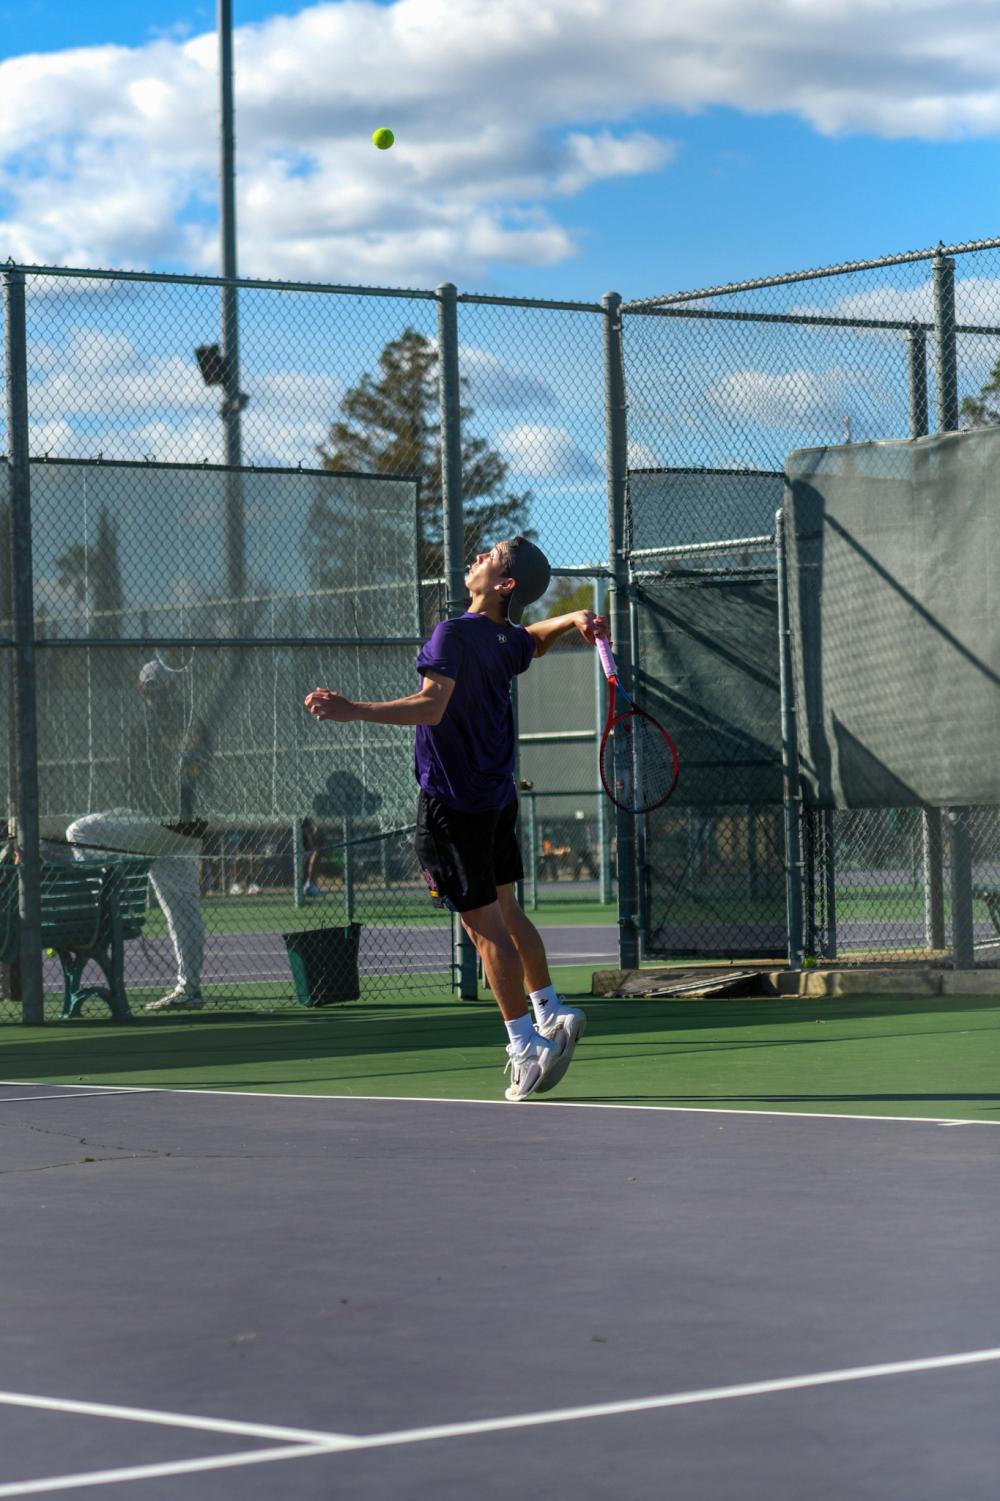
(544, 1003)
(520, 1031)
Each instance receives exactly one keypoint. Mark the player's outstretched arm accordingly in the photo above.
(546, 632)
(426, 707)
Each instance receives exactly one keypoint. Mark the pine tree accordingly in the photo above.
(93, 577)
(389, 424)
(981, 410)
(109, 596)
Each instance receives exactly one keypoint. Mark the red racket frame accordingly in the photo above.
(613, 719)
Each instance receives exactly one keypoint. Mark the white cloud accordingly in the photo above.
(804, 399)
(593, 157)
(640, 456)
(495, 383)
(108, 154)
(544, 452)
(99, 393)
(53, 439)
(977, 301)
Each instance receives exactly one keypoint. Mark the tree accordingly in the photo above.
(93, 577)
(564, 597)
(389, 424)
(980, 411)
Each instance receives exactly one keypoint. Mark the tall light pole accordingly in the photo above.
(233, 401)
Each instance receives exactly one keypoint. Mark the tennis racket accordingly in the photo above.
(639, 765)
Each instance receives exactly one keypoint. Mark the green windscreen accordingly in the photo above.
(237, 571)
(894, 587)
(706, 600)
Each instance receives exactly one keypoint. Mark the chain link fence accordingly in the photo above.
(568, 834)
(214, 534)
(722, 386)
(216, 531)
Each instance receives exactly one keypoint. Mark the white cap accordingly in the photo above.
(154, 675)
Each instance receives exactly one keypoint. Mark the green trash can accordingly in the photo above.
(324, 964)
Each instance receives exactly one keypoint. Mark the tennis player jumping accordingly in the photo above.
(466, 838)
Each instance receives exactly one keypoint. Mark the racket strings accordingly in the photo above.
(639, 763)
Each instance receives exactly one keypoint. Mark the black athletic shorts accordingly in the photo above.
(466, 856)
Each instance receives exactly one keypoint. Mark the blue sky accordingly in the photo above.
(809, 135)
(554, 148)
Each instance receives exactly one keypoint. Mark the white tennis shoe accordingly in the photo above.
(570, 1023)
(530, 1066)
(177, 1000)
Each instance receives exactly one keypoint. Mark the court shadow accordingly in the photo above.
(358, 1043)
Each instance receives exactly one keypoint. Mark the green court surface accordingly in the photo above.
(931, 1057)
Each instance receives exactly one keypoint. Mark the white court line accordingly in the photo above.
(85, 1094)
(412, 1099)
(152, 1472)
(90, 1087)
(174, 1419)
(339, 1442)
(677, 1399)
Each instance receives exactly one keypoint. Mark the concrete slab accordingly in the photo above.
(970, 982)
(664, 979)
(872, 980)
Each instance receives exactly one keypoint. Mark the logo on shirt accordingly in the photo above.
(502, 639)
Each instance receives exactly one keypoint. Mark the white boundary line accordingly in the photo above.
(152, 1472)
(85, 1094)
(678, 1399)
(286, 1094)
(175, 1420)
(337, 1443)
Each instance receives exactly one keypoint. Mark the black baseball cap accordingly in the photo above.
(529, 568)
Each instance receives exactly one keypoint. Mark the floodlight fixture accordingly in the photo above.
(212, 363)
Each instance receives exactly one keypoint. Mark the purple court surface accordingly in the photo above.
(216, 1295)
(259, 957)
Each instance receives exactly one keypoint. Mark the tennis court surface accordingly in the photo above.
(753, 1253)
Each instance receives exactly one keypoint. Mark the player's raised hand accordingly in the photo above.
(591, 627)
(325, 703)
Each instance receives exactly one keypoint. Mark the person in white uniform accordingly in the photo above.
(168, 759)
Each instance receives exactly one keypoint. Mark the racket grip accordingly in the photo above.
(607, 660)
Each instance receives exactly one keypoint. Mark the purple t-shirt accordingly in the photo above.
(468, 759)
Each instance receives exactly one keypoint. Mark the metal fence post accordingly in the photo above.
(639, 825)
(960, 844)
(531, 842)
(26, 728)
(789, 758)
(616, 445)
(348, 873)
(945, 344)
(232, 398)
(829, 878)
(932, 860)
(916, 364)
(519, 826)
(298, 862)
(465, 969)
(600, 711)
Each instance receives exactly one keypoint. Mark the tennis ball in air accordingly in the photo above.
(383, 138)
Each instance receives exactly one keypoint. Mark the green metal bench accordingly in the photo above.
(90, 909)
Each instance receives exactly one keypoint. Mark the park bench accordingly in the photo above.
(90, 909)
